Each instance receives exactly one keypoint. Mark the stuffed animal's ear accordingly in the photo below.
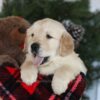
(66, 44)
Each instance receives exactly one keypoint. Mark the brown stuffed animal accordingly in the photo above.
(15, 27)
(12, 35)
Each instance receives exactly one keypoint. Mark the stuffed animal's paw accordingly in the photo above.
(7, 59)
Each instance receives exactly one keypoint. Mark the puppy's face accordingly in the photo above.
(48, 38)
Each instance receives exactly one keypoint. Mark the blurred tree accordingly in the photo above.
(36, 9)
(61, 10)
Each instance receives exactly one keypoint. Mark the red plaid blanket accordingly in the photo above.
(12, 88)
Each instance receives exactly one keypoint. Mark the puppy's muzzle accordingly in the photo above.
(35, 48)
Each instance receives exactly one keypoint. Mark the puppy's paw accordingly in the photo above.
(29, 75)
(46, 70)
(42, 70)
(59, 86)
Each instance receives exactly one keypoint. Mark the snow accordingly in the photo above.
(98, 92)
(94, 5)
(94, 91)
(0, 5)
(96, 64)
(91, 92)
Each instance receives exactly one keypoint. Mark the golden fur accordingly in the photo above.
(63, 62)
(66, 45)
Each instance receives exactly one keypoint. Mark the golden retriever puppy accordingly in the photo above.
(50, 50)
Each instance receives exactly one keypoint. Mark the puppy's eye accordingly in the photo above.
(32, 34)
(48, 36)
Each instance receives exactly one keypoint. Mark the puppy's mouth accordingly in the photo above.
(40, 60)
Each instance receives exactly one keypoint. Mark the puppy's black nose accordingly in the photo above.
(35, 48)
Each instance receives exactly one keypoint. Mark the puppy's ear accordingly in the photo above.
(66, 44)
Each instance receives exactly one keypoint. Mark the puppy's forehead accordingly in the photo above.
(48, 25)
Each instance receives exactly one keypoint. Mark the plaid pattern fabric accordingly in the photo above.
(12, 88)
